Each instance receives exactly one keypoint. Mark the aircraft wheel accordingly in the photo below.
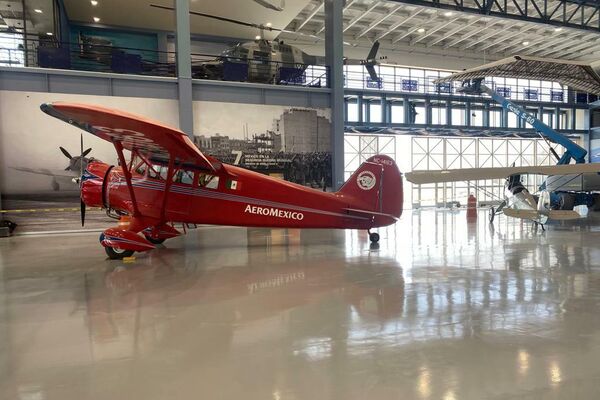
(117, 254)
(374, 237)
(153, 240)
(492, 214)
(567, 201)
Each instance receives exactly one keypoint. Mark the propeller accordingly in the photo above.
(65, 152)
(82, 204)
(371, 61)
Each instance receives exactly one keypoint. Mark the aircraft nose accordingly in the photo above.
(91, 183)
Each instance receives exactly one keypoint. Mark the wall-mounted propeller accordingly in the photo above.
(74, 162)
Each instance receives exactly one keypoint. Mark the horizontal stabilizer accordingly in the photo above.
(474, 174)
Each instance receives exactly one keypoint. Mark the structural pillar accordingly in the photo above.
(359, 104)
(334, 54)
(184, 66)
(486, 115)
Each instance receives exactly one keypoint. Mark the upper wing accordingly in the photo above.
(474, 174)
(579, 75)
(134, 132)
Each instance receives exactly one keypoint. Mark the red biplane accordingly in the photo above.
(167, 180)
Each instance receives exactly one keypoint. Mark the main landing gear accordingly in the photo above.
(373, 237)
(154, 240)
(117, 254)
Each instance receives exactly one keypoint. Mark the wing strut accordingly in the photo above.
(119, 148)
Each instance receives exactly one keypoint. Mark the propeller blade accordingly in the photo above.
(82, 208)
(85, 153)
(372, 73)
(65, 152)
(373, 52)
(81, 153)
(233, 21)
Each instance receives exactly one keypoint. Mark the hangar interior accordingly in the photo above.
(461, 298)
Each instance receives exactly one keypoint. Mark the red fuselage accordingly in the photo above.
(233, 196)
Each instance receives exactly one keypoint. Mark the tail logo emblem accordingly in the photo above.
(366, 180)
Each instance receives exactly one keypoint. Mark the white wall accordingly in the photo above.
(29, 138)
(228, 119)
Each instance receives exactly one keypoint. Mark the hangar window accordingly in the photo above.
(208, 181)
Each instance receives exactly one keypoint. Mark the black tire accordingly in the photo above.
(567, 201)
(153, 240)
(374, 237)
(596, 205)
(117, 254)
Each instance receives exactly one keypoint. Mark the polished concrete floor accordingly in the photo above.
(442, 309)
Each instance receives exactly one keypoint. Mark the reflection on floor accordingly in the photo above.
(441, 310)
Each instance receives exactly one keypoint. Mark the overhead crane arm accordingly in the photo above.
(573, 150)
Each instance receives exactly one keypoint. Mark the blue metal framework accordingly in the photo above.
(561, 13)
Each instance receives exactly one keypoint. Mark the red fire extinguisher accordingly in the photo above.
(471, 207)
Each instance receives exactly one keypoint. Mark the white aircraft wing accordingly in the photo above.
(47, 172)
(474, 174)
(564, 214)
(524, 214)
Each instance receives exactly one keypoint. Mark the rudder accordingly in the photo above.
(377, 186)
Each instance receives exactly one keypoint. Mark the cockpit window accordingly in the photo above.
(158, 172)
(185, 177)
(208, 181)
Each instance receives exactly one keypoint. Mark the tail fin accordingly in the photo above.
(376, 186)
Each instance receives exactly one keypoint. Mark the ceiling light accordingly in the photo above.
(525, 43)
(49, 33)
(268, 24)
(257, 37)
(421, 30)
(94, 2)
(96, 19)
(37, 10)
(448, 13)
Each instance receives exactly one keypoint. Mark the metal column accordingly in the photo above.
(184, 66)
(334, 53)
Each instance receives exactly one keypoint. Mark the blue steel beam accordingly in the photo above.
(555, 13)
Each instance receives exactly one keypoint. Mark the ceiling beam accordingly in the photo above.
(470, 34)
(377, 22)
(311, 15)
(479, 39)
(349, 4)
(504, 38)
(452, 32)
(414, 29)
(361, 15)
(398, 24)
(436, 28)
(533, 11)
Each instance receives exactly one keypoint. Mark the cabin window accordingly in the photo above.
(208, 181)
(158, 172)
(141, 169)
(185, 177)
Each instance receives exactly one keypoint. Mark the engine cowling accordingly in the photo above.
(92, 183)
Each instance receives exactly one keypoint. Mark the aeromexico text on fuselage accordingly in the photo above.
(274, 212)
